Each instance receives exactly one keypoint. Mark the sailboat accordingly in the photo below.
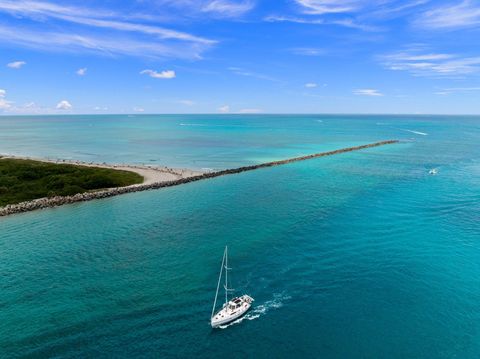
(231, 309)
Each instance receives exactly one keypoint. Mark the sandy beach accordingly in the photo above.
(150, 174)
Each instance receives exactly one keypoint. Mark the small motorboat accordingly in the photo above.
(232, 309)
(433, 171)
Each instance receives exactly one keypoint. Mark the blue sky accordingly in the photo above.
(239, 56)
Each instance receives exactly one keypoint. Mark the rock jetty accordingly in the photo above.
(49, 202)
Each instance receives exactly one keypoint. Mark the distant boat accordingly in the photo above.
(433, 171)
(231, 309)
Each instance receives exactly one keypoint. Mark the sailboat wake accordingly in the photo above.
(260, 310)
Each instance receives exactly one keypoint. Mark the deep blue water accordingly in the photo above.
(362, 255)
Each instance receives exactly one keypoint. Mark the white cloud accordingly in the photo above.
(319, 7)
(367, 92)
(311, 85)
(299, 20)
(116, 38)
(228, 8)
(243, 72)
(96, 44)
(459, 15)
(212, 8)
(38, 10)
(376, 8)
(167, 74)
(16, 64)
(383, 11)
(308, 51)
(32, 108)
(451, 90)
(138, 109)
(30, 105)
(431, 64)
(4, 104)
(250, 111)
(29, 109)
(322, 21)
(187, 102)
(354, 14)
(224, 109)
(463, 89)
(64, 105)
(82, 71)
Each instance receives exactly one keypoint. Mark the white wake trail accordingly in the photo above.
(416, 132)
(260, 310)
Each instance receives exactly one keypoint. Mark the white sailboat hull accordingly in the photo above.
(232, 310)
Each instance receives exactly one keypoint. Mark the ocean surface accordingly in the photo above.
(359, 255)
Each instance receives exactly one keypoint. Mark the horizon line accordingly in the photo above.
(244, 114)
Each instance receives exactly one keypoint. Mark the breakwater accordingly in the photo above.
(49, 202)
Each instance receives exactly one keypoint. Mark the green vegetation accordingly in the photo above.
(24, 180)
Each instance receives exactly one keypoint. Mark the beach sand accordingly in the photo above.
(150, 174)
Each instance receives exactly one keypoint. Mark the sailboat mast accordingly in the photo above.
(218, 284)
(226, 274)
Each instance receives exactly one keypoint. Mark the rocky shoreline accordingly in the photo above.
(49, 202)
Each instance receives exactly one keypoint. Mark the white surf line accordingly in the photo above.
(402, 129)
(415, 132)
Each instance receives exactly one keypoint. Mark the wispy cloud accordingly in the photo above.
(16, 64)
(223, 9)
(431, 64)
(450, 17)
(167, 74)
(243, 72)
(376, 7)
(42, 11)
(367, 92)
(298, 20)
(112, 36)
(96, 44)
(228, 8)
(355, 14)
(311, 85)
(319, 7)
(346, 22)
(392, 9)
(451, 90)
(187, 102)
(308, 51)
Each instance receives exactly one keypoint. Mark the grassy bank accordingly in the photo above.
(24, 180)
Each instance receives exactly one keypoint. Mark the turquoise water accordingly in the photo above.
(363, 254)
(202, 141)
